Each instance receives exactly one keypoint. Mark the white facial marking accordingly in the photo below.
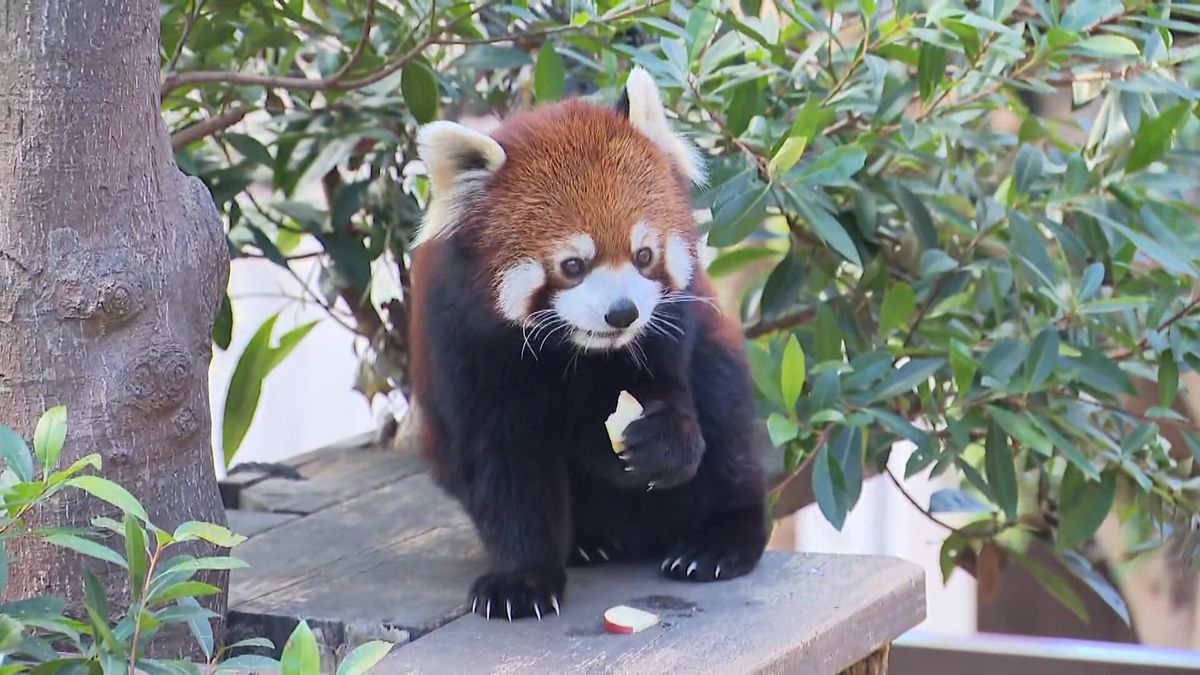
(680, 261)
(642, 235)
(517, 286)
(579, 246)
(585, 305)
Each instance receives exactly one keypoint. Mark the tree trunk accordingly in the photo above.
(112, 266)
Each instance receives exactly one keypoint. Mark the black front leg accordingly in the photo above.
(518, 501)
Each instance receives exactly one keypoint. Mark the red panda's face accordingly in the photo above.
(580, 215)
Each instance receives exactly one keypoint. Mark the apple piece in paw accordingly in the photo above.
(628, 409)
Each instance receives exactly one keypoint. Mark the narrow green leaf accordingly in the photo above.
(87, 547)
(49, 436)
(96, 605)
(701, 25)
(419, 87)
(1029, 166)
(550, 75)
(802, 132)
(931, 69)
(952, 548)
(781, 429)
(1054, 584)
(1110, 45)
(137, 554)
(1000, 470)
(1083, 569)
(214, 534)
(210, 563)
(1043, 356)
(955, 501)
(906, 378)
(829, 230)
(830, 496)
(365, 656)
(1093, 276)
(108, 491)
(962, 364)
(898, 306)
(792, 373)
(222, 333)
(1155, 136)
(835, 167)
(250, 148)
(730, 262)
(183, 589)
(198, 620)
(15, 454)
(1168, 378)
(737, 218)
(1082, 506)
(300, 654)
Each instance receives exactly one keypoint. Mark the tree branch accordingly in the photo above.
(1121, 355)
(188, 135)
(779, 323)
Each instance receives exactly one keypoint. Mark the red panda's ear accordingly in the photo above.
(642, 105)
(457, 160)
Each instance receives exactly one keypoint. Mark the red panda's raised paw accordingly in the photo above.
(663, 447)
(518, 594)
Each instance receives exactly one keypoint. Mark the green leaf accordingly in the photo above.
(15, 454)
(1000, 470)
(955, 501)
(1029, 166)
(550, 75)
(1054, 584)
(835, 167)
(250, 148)
(222, 333)
(137, 555)
(86, 547)
(701, 25)
(1110, 45)
(213, 534)
(730, 262)
(108, 491)
(931, 69)
(802, 132)
(210, 563)
(300, 654)
(1083, 569)
(830, 496)
(183, 589)
(952, 548)
(49, 436)
(792, 373)
(1082, 506)
(198, 622)
(11, 632)
(1080, 16)
(781, 429)
(249, 663)
(253, 642)
(96, 605)
(829, 230)
(898, 306)
(742, 107)
(1155, 136)
(737, 218)
(1043, 357)
(1168, 378)
(906, 378)
(419, 87)
(1065, 447)
(367, 655)
(1093, 276)
(962, 365)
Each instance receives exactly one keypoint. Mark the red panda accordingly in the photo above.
(557, 267)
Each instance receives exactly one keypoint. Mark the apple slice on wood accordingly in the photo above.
(626, 620)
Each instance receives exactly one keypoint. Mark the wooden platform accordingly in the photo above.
(366, 547)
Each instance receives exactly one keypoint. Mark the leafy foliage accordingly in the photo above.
(923, 249)
(37, 636)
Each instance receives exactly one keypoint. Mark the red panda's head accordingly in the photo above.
(580, 214)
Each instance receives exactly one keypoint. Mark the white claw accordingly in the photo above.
(508, 608)
(537, 610)
(487, 611)
(628, 469)
(677, 563)
(583, 554)
(602, 553)
(474, 603)
(666, 561)
(717, 572)
(649, 487)
(691, 568)
(554, 601)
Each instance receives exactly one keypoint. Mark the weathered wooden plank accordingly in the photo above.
(252, 523)
(394, 561)
(796, 613)
(330, 477)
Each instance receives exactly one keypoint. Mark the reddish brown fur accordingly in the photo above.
(574, 167)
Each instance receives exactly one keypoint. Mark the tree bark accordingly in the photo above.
(112, 266)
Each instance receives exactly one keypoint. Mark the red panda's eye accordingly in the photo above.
(643, 257)
(572, 267)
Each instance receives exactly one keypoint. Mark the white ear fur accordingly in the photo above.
(647, 115)
(457, 160)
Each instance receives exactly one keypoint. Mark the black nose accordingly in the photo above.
(622, 314)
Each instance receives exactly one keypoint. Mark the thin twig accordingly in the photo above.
(778, 489)
(188, 135)
(1123, 354)
(913, 501)
(188, 26)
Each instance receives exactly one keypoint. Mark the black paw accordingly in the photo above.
(593, 551)
(713, 558)
(663, 447)
(518, 594)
